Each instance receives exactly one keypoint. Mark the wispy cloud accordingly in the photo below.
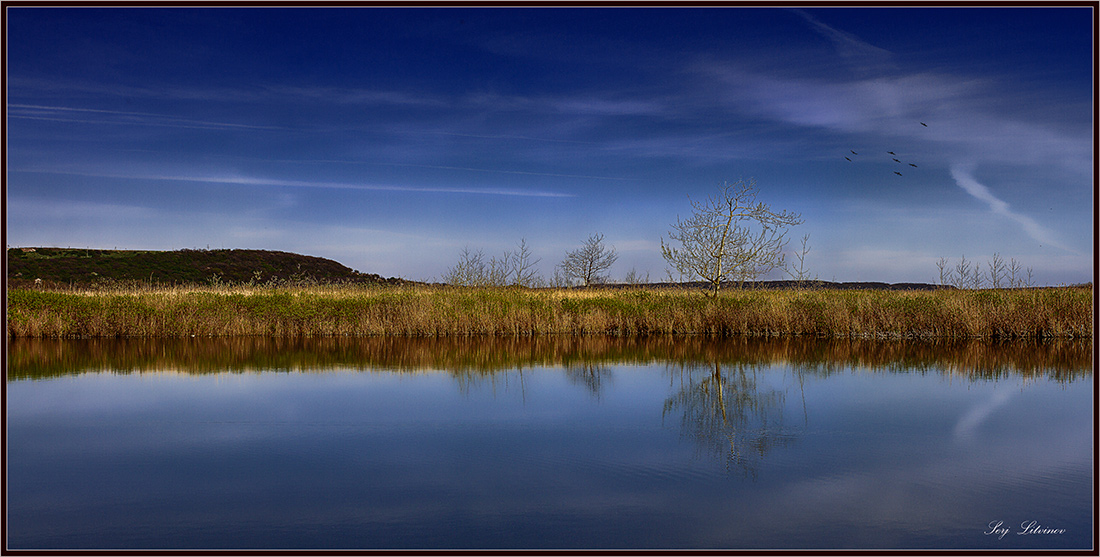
(874, 105)
(963, 177)
(260, 181)
(352, 162)
(607, 107)
(960, 123)
(120, 117)
(445, 167)
(498, 136)
(47, 88)
(858, 53)
(60, 210)
(611, 103)
(346, 95)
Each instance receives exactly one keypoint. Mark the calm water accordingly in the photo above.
(575, 443)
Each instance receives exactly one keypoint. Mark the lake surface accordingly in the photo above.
(586, 443)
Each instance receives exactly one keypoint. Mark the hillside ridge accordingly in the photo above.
(80, 267)
(77, 266)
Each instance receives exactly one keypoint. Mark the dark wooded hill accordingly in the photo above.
(64, 266)
(69, 266)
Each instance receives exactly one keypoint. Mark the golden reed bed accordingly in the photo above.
(450, 311)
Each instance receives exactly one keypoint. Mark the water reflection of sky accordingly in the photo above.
(540, 459)
(933, 456)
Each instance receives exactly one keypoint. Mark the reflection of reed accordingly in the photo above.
(591, 375)
(32, 358)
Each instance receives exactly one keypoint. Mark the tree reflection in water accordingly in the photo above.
(726, 412)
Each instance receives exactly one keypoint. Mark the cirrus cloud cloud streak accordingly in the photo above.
(962, 173)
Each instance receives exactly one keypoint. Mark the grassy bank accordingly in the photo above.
(441, 311)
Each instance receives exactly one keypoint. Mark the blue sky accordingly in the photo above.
(389, 139)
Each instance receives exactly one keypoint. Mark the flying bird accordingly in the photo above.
(847, 159)
(896, 160)
(898, 173)
(913, 165)
(891, 152)
(853, 152)
(923, 124)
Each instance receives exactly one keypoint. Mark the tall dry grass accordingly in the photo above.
(451, 311)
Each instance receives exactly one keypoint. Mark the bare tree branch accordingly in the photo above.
(730, 236)
(513, 268)
(946, 275)
(997, 271)
(800, 273)
(589, 262)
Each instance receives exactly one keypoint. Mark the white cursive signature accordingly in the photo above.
(1027, 528)
(996, 529)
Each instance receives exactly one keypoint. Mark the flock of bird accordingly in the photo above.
(893, 154)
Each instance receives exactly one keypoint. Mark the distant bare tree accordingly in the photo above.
(799, 272)
(1022, 277)
(945, 273)
(997, 271)
(513, 268)
(968, 275)
(730, 236)
(1014, 273)
(522, 269)
(962, 273)
(976, 279)
(496, 273)
(670, 278)
(469, 271)
(589, 262)
(558, 280)
(633, 277)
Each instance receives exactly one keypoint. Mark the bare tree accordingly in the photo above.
(496, 272)
(1014, 273)
(469, 271)
(522, 268)
(587, 263)
(558, 280)
(634, 278)
(800, 273)
(945, 273)
(962, 273)
(997, 271)
(513, 268)
(976, 280)
(730, 236)
(968, 275)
